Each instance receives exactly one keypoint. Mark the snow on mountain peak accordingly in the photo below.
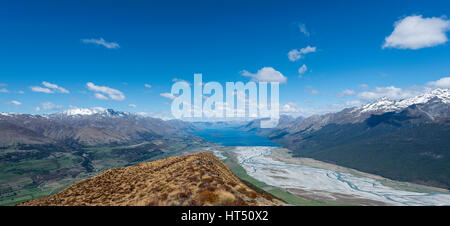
(386, 105)
(83, 111)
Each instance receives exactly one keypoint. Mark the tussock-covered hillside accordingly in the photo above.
(198, 179)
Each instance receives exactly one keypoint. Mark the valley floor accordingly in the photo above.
(315, 182)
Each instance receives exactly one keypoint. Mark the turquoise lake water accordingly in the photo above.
(234, 137)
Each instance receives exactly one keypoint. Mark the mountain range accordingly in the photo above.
(40, 154)
(405, 140)
(87, 127)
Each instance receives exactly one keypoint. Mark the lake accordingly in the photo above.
(234, 137)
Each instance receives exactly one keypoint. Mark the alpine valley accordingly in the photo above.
(41, 154)
(406, 140)
(388, 152)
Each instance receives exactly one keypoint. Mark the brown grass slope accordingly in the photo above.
(198, 179)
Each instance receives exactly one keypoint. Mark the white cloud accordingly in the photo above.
(266, 74)
(167, 95)
(15, 102)
(50, 106)
(147, 86)
(297, 54)
(132, 105)
(363, 86)
(40, 89)
(164, 115)
(290, 108)
(113, 94)
(55, 87)
(49, 88)
(4, 90)
(345, 93)
(416, 32)
(311, 90)
(303, 29)
(353, 103)
(302, 70)
(180, 80)
(441, 83)
(102, 42)
(294, 55)
(100, 96)
(391, 92)
(295, 109)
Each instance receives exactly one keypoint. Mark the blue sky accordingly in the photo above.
(156, 42)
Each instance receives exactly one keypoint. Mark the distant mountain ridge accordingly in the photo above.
(89, 127)
(359, 114)
(406, 140)
(386, 105)
(40, 154)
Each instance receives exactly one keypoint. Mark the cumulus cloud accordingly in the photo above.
(147, 86)
(416, 32)
(168, 95)
(297, 54)
(315, 92)
(49, 106)
(353, 103)
(302, 70)
(180, 80)
(290, 108)
(295, 109)
(441, 83)
(4, 90)
(391, 92)
(346, 93)
(39, 89)
(14, 102)
(132, 105)
(49, 88)
(302, 28)
(102, 91)
(100, 96)
(266, 74)
(55, 87)
(102, 42)
(363, 86)
(311, 90)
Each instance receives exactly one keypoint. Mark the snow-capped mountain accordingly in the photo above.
(78, 112)
(405, 140)
(435, 103)
(85, 126)
(83, 111)
(386, 105)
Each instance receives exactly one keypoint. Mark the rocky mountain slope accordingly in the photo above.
(40, 154)
(87, 127)
(198, 179)
(404, 140)
(359, 114)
